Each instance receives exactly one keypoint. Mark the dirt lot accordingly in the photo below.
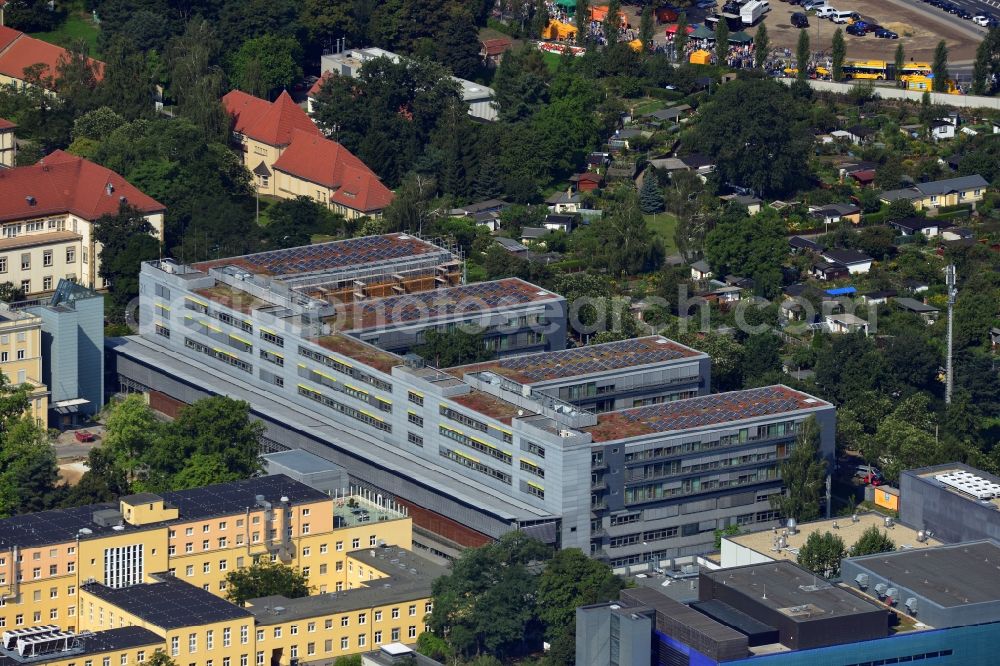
(919, 26)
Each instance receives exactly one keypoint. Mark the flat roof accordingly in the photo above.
(409, 577)
(62, 525)
(327, 256)
(109, 640)
(929, 474)
(682, 613)
(582, 361)
(951, 575)
(362, 352)
(796, 593)
(701, 411)
(450, 302)
(169, 603)
(764, 541)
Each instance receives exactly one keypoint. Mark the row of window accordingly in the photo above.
(345, 369)
(674, 467)
(472, 463)
(771, 431)
(218, 354)
(477, 444)
(656, 491)
(47, 259)
(346, 410)
(53, 224)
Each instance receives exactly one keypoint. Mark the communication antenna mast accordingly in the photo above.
(949, 278)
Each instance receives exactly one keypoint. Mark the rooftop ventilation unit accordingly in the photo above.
(862, 580)
(880, 589)
(911, 605)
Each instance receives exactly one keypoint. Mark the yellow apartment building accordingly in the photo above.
(21, 357)
(159, 562)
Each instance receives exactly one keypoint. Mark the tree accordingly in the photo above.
(126, 241)
(900, 209)
(873, 540)
(621, 242)
(266, 64)
(582, 18)
(650, 196)
(939, 67)
(127, 86)
(822, 553)
(802, 55)
(33, 15)
(451, 348)
(803, 474)
(888, 175)
(197, 82)
(294, 221)
(97, 124)
(131, 432)
(761, 47)
(264, 578)
(457, 41)
(570, 580)
(160, 658)
(757, 132)
(838, 53)
(488, 601)
(761, 358)
(9, 293)
(906, 439)
(849, 366)
(900, 62)
(613, 22)
(681, 36)
(748, 246)
(646, 27)
(986, 68)
(721, 43)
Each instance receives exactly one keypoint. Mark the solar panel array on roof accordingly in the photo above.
(717, 408)
(590, 360)
(465, 299)
(328, 256)
(970, 484)
(169, 603)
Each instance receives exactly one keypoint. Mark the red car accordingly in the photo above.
(84, 436)
(873, 479)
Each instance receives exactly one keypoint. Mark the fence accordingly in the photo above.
(961, 101)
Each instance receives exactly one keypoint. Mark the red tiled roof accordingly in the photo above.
(865, 176)
(63, 183)
(319, 160)
(319, 84)
(494, 47)
(19, 51)
(271, 123)
(4, 123)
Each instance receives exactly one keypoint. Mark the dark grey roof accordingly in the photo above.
(861, 131)
(409, 577)
(510, 244)
(534, 232)
(168, 603)
(913, 305)
(908, 193)
(732, 617)
(845, 256)
(109, 640)
(841, 208)
(800, 243)
(952, 185)
(141, 498)
(701, 266)
(915, 223)
(953, 575)
(60, 525)
(886, 293)
(697, 160)
(786, 587)
(795, 290)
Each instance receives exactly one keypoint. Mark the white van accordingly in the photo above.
(825, 11)
(841, 17)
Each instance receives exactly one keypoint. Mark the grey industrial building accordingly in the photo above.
(944, 511)
(476, 451)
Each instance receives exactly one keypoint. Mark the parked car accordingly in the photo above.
(813, 4)
(825, 12)
(885, 33)
(864, 470)
(857, 29)
(964, 13)
(874, 479)
(981, 19)
(800, 20)
(842, 17)
(84, 436)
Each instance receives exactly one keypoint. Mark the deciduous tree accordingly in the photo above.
(761, 47)
(939, 67)
(264, 65)
(838, 53)
(822, 554)
(265, 578)
(721, 42)
(803, 474)
(873, 540)
(126, 241)
(802, 55)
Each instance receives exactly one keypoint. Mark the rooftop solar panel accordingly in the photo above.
(169, 603)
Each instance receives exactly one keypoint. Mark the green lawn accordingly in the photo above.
(648, 106)
(664, 224)
(78, 25)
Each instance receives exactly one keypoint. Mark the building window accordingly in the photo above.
(415, 419)
(70, 255)
(414, 438)
(26, 286)
(412, 631)
(123, 566)
(47, 258)
(415, 398)
(273, 338)
(26, 261)
(3, 264)
(175, 646)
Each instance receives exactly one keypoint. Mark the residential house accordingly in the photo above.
(672, 114)
(864, 177)
(725, 294)
(478, 97)
(942, 129)
(836, 212)
(845, 322)
(940, 193)
(700, 270)
(560, 222)
(491, 50)
(262, 130)
(47, 216)
(597, 161)
(533, 234)
(829, 270)
(314, 92)
(512, 246)
(751, 204)
(489, 220)
(848, 168)
(588, 181)
(916, 286)
(928, 313)
(855, 261)
(19, 51)
(911, 226)
(8, 144)
(323, 170)
(486, 206)
(669, 164)
(21, 358)
(798, 245)
(623, 138)
(860, 135)
(620, 170)
(880, 297)
(700, 164)
(566, 201)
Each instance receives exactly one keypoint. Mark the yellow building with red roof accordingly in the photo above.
(19, 52)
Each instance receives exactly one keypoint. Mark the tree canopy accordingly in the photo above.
(264, 578)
